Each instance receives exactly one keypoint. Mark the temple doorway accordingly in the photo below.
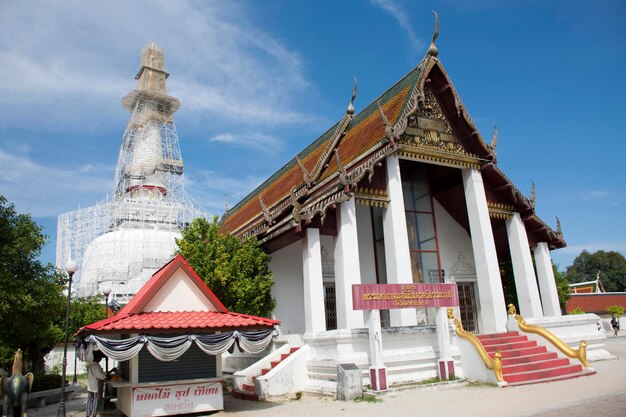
(467, 306)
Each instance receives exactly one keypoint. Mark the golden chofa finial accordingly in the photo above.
(432, 49)
(350, 109)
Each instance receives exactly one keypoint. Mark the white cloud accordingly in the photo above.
(64, 58)
(401, 15)
(46, 191)
(618, 245)
(602, 197)
(213, 191)
(248, 140)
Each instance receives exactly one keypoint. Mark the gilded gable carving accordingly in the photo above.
(429, 137)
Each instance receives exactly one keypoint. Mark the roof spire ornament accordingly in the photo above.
(350, 109)
(494, 143)
(532, 195)
(389, 130)
(432, 49)
(559, 231)
(305, 173)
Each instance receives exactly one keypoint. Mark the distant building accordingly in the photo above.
(587, 287)
(121, 241)
(590, 297)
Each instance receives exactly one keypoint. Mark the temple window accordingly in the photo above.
(420, 222)
(421, 230)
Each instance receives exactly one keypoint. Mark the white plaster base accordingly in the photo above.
(410, 355)
(576, 327)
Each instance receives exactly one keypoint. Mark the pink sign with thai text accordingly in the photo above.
(162, 400)
(393, 296)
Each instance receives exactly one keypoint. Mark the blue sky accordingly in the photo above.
(259, 80)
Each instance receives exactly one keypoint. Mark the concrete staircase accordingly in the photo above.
(526, 362)
(248, 391)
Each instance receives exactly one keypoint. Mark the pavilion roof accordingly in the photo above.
(179, 321)
(136, 317)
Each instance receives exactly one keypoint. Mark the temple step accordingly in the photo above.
(248, 391)
(526, 362)
(241, 395)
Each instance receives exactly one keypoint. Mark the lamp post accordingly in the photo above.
(75, 379)
(106, 290)
(71, 267)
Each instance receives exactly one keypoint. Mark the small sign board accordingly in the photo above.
(394, 296)
(162, 400)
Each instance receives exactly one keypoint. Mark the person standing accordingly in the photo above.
(614, 325)
(94, 374)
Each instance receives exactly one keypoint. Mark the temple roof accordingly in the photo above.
(311, 184)
(364, 131)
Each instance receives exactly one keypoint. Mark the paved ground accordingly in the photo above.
(603, 394)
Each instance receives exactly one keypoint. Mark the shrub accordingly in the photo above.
(616, 311)
(577, 310)
(44, 382)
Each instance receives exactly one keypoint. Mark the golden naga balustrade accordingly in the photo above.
(495, 363)
(580, 353)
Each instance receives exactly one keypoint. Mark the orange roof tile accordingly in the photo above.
(364, 131)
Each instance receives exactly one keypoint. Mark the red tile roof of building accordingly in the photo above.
(183, 321)
(595, 303)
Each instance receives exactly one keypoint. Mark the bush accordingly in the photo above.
(44, 382)
(577, 310)
(616, 311)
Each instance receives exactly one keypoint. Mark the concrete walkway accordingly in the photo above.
(603, 394)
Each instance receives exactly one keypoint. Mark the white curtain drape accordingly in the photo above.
(171, 348)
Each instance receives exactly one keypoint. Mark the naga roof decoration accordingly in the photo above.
(494, 143)
(421, 117)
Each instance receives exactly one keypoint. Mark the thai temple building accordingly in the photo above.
(120, 242)
(405, 191)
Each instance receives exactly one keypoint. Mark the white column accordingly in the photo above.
(378, 371)
(397, 241)
(347, 267)
(445, 362)
(525, 279)
(314, 319)
(491, 297)
(547, 284)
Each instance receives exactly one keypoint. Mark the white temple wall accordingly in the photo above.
(286, 265)
(455, 245)
(366, 244)
(327, 244)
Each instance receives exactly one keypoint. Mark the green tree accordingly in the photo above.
(84, 311)
(32, 303)
(236, 270)
(611, 266)
(562, 286)
(510, 291)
